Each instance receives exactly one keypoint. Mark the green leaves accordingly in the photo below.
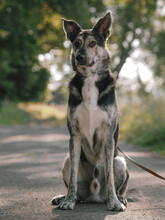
(27, 29)
(19, 51)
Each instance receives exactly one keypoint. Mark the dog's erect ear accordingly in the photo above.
(71, 29)
(102, 27)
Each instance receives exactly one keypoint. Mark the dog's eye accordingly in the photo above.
(92, 44)
(77, 44)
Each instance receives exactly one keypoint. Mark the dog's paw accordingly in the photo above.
(123, 200)
(116, 206)
(67, 203)
(57, 199)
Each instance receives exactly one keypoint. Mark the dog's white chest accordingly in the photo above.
(89, 91)
(88, 113)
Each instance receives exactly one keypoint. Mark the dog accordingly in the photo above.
(93, 171)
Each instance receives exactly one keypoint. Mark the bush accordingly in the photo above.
(143, 123)
(10, 114)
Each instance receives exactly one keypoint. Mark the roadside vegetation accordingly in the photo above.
(143, 123)
(10, 114)
(32, 113)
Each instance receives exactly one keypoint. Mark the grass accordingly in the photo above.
(10, 114)
(143, 123)
(32, 113)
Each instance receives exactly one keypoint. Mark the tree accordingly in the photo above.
(138, 24)
(28, 28)
(21, 76)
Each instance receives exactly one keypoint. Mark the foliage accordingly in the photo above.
(143, 123)
(42, 113)
(32, 113)
(10, 114)
(138, 24)
(29, 28)
(60, 95)
(21, 76)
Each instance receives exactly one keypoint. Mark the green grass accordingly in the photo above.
(32, 113)
(10, 114)
(143, 124)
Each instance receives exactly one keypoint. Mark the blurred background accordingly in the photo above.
(35, 68)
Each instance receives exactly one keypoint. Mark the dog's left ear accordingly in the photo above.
(71, 28)
(102, 27)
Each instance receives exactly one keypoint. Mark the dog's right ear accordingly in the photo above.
(71, 28)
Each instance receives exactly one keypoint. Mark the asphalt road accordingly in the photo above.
(31, 158)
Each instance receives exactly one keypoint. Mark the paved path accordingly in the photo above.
(31, 158)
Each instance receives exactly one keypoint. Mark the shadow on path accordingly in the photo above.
(31, 158)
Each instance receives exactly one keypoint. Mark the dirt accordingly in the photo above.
(31, 158)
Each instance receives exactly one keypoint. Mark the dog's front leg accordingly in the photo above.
(74, 151)
(112, 200)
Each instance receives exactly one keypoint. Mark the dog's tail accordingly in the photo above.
(95, 184)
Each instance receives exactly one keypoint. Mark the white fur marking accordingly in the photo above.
(88, 112)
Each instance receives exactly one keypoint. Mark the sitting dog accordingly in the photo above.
(93, 172)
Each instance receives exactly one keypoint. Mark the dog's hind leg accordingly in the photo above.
(83, 180)
(121, 176)
(123, 189)
(65, 172)
(57, 199)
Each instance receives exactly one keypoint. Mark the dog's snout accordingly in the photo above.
(80, 57)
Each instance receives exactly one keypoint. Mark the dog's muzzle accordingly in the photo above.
(81, 60)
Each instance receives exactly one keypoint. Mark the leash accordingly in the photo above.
(141, 166)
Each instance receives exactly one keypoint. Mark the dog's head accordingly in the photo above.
(89, 53)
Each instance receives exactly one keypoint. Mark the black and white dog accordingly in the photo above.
(92, 172)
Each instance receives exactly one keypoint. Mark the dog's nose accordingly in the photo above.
(80, 57)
